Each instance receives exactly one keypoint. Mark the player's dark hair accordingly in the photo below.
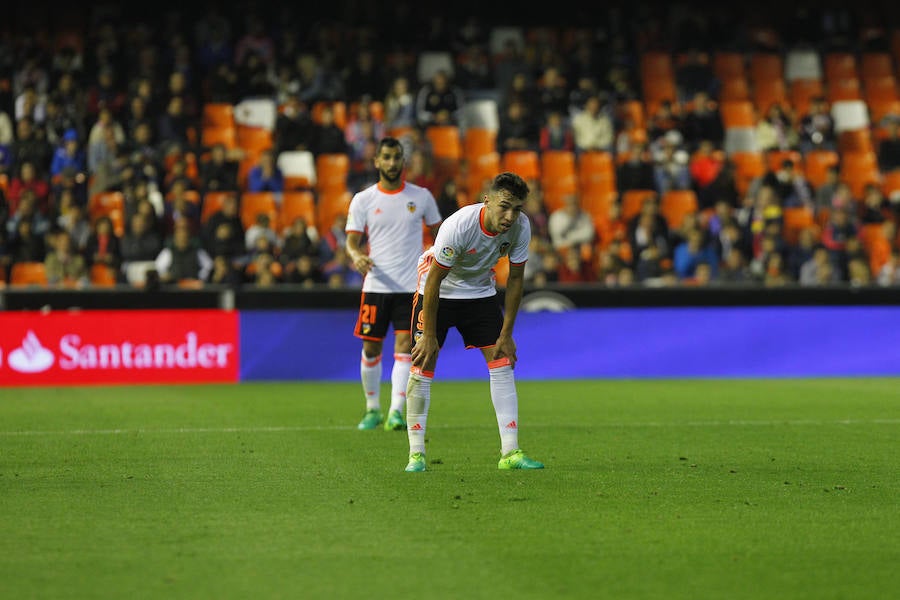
(389, 142)
(512, 184)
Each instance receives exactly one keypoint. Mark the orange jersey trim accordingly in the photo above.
(391, 192)
(421, 371)
(481, 223)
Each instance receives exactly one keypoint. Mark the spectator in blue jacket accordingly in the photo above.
(265, 176)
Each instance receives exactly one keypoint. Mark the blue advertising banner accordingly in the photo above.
(604, 343)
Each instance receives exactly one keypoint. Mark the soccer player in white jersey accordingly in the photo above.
(457, 288)
(387, 216)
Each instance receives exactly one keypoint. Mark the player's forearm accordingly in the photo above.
(515, 285)
(352, 246)
(431, 298)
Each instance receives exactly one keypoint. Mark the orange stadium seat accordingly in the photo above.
(766, 65)
(775, 157)
(844, 88)
(481, 168)
(801, 93)
(338, 109)
(816, 164)
(747, 167)
(876, 64)
(28, 274)
(675, 204)
(855, 140)
(524, 163)
(331, 204)
(218, 114)
(655, 64)
(478, 141)
(859, 169)
(739, 113)
(212, 202)
(446, 141)
(657, 91)
(734, 89)
(254, 203)
(556, 189)
(332, 170)
(840, 65)
(768, 92)
(254, 140)
(881, 88)
(102, 275)
(596, 171)
(633, 110)
(109, 204)
(728, 65)
(557, 164)
(297, 204)
(212, 135)
(795, 219)
(633, 200)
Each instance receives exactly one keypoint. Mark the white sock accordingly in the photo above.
(418, 398)
(399, 378)
(506, 405)
(370, 373)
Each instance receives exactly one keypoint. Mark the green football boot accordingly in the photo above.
(370, 420)
(416, 462)
(517, 460)
(395, 421)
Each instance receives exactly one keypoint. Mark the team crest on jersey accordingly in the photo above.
(504, 248)
(366, 328)
(447, 253)
(411, 207)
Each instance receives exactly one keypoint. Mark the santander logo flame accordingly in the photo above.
(31, 356)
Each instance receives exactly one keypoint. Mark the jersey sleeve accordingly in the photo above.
(356, 216)
(447, 245)
(518, 253)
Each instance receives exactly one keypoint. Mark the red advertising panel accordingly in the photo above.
(116, 347)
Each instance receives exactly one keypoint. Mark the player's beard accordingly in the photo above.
(389, 177)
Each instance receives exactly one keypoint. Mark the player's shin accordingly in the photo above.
(370, 374)
(399, 381)
(506, 403)
(418, 398)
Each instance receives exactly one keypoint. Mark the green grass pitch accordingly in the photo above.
(716, 489)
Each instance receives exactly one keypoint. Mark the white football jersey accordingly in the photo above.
(464, 246)
(393, 221)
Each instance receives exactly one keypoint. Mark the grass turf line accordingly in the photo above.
(653, 489)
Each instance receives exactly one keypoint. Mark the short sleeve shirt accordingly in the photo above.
(470, 252)
(393, 222)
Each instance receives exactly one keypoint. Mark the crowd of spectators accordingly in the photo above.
(116, 104)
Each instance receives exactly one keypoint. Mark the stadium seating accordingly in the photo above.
(331, 203)
(29, 273)
(332, 170)
(633, 200)
(211, 203)
(255, 203)
(524, 163)
(446, 142)
(109, 204)
(102, 275)
(675, 204)
(297, 204)
(298, 168)
(795, 219)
